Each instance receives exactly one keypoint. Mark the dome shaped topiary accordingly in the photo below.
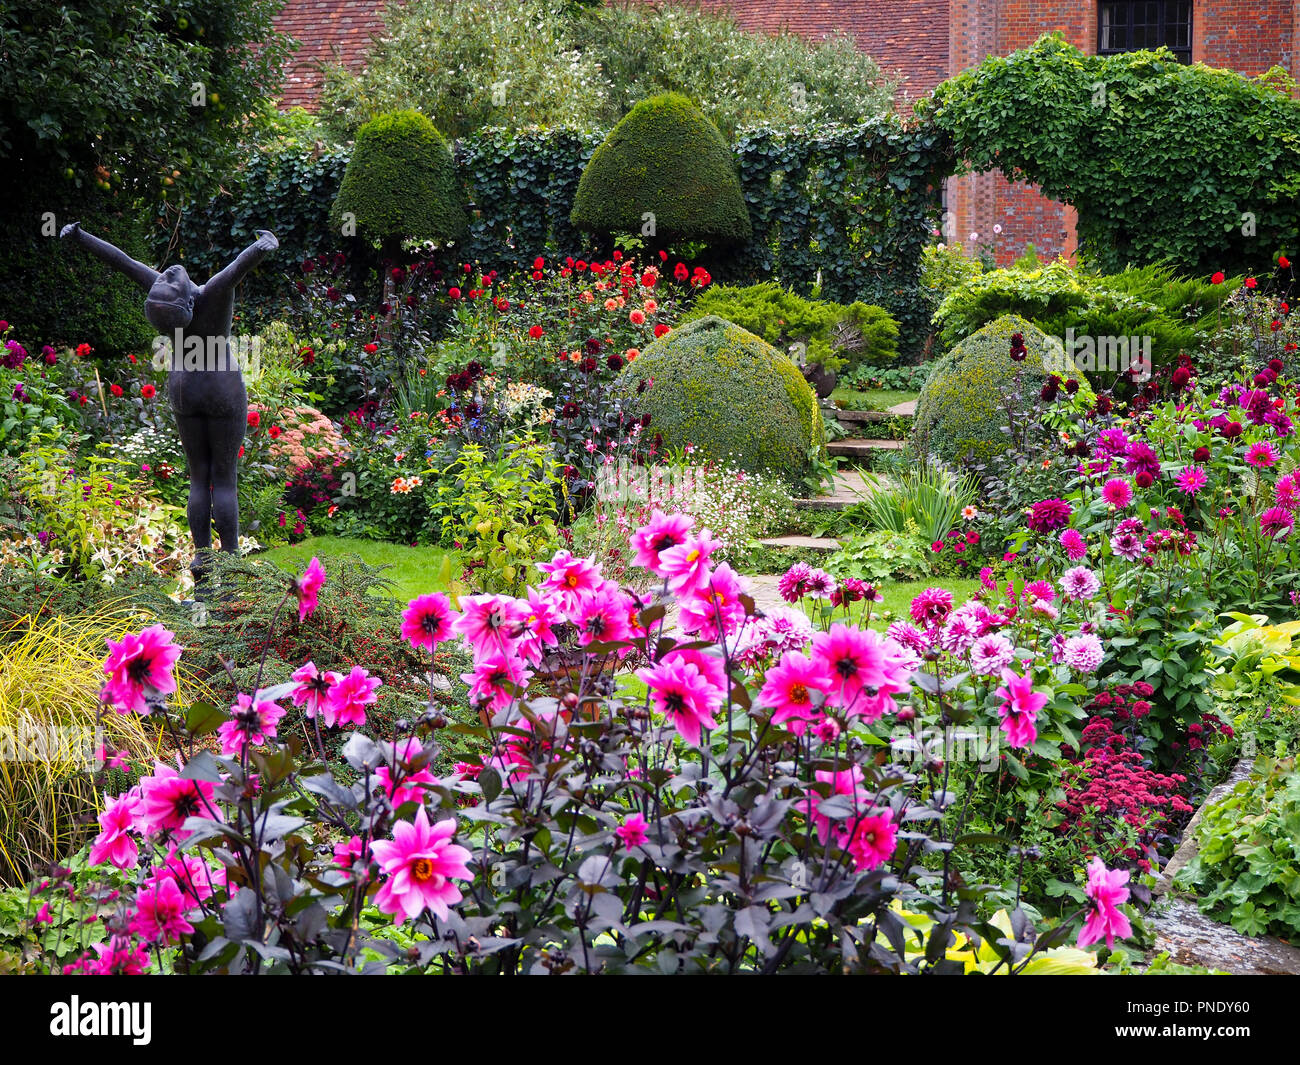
(665, 159)
(732, 395)
(400, 183)
(960, 412)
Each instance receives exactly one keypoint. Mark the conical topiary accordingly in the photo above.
(667, 160)
(400, 184)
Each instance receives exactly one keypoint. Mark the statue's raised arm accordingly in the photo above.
(142, 275)
(245, 261)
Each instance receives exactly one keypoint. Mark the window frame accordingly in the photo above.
(1163, 24)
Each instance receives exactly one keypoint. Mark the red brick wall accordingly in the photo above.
(1246, 37)
(328, 31)
(908, 38)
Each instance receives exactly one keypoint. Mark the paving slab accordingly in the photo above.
(810, 543)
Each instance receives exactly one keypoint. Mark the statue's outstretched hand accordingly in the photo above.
(266, 240)
(69, 229)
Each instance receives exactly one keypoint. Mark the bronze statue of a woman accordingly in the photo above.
(206, 393)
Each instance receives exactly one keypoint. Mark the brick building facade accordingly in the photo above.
(922, 42)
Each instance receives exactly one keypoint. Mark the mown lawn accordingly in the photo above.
(415, 570)
(873, 399)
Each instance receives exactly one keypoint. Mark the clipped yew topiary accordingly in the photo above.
(400, 184)
(664, 159)
(730, 394)
(960, 413)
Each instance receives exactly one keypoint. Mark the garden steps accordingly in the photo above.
(1190, 937)
(898, 410)
(859, 447)
(850, 488)
(808, 543)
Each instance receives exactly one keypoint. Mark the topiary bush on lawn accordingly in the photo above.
(665, 159)
(728, 393)
(400, 183)
(833, 334)
(960, 414)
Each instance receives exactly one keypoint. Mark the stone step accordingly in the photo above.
(858, 447)
(859, 417)
(850, 487)
(807, 543)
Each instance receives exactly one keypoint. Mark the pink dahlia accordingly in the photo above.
(1083, 653)
(632, 831)
(684, 695)
(1106, 891)
(657, 536)
(188, 871)
(250, 724)
(1040, 592)
(114, 843)
(1048, 515)
(844, 782)
(120, 956)
(1261, 455)
(409, 757)
(488, 622)
(1286, 493)
(1079, 583)
(793, 584)
(865, 668)
(1276, 523)
(167, 799)
(1019, 709)
(990, 655)
(140, 667)
(307, 586)
(491, 673)
(789, 688)
(1127, 546)
(931, 607)
(427, 620)
(715, 611)
(540, 612)
(873, 841)
(1117, 492)
(421, 862)
(159, 915)
(314, 687)
(1191, 480)
(571, 579)
(603, 617)
(1073, 542)
(349, 698)
(686, 566)
(346, 855)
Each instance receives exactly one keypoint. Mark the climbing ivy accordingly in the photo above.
(1161, 159)
(522, 184)
(842, 213)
